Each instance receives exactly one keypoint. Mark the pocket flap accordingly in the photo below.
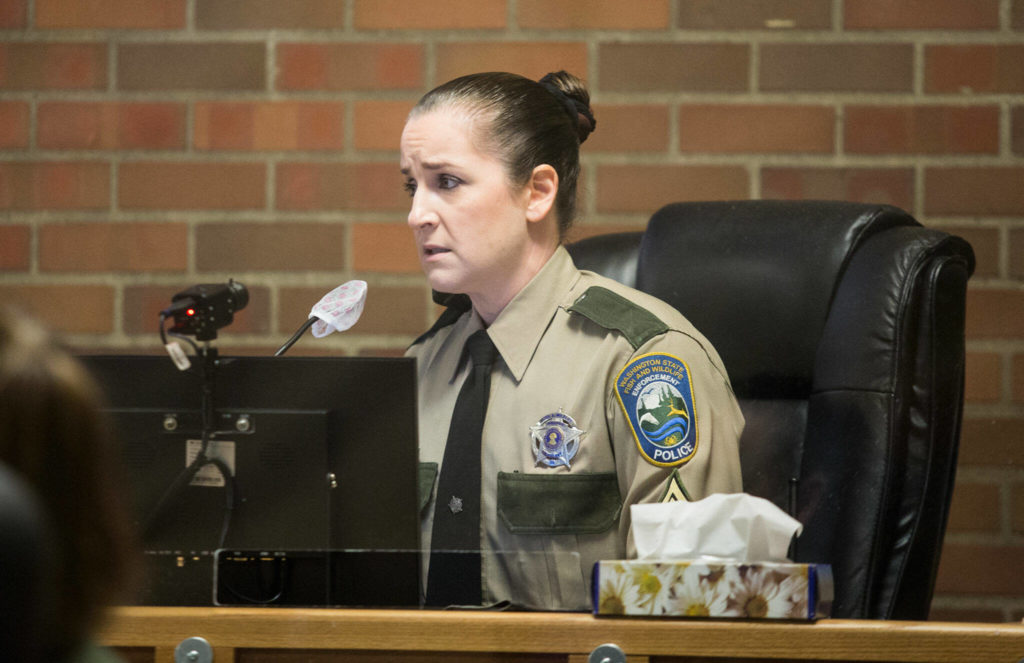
(558, 503)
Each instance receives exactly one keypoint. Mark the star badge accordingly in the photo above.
(556, 439)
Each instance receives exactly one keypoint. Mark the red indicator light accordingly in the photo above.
(190, 312)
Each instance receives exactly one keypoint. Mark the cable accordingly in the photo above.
(195, 346)
(302, 330)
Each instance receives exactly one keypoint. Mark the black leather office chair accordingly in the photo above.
(842, 328)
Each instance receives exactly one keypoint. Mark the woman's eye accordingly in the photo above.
(447, 182)
(410, 187)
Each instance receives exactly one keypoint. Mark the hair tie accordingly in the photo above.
(573, 108)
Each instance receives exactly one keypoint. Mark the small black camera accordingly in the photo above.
(203, 309)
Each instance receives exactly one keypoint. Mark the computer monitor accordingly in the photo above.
(313, 499)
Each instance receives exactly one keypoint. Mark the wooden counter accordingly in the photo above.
(240, 635)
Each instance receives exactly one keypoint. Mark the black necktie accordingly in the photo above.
(454, 577)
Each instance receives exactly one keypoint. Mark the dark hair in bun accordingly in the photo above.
(574, 97)
(528, 123)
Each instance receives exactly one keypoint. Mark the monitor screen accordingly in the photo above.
(313, 482)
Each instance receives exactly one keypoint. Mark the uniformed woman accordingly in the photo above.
(595, 396)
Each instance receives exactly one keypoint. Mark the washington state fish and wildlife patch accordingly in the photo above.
(656, 394)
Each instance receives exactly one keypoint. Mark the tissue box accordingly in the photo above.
(700, 588)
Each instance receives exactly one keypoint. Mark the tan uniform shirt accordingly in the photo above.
(544, 522)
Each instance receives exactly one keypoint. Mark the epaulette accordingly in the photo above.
(613, 311)
(456, 306)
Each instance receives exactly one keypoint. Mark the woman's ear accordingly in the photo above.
(543, 188)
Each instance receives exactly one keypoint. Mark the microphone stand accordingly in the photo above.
(296, 336)
(210, 361)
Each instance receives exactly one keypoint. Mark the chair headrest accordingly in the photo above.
(776, 263)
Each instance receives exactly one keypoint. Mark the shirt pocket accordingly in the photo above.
(586, 503)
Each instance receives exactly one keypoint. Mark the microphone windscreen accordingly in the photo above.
(339, 309)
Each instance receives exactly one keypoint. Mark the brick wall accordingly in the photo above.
(148, 145)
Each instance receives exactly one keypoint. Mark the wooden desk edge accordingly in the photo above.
(569, 633)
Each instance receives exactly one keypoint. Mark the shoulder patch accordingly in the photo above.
(656, 394)
(613, 311)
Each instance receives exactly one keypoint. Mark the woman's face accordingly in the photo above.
(469, 222)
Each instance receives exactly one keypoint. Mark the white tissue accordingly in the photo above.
(339, 309)
(725, 527)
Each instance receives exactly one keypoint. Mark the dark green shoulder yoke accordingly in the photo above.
(456, 306)
(613, 311)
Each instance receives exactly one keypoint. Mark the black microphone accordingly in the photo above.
(336, 311)
(203, 309)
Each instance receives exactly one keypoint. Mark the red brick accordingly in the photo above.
(992, 442)
(387, 248)
(1017, 129)
(192, 185)
(980, 569)
(191, 66)
(330, 66)
(530, 59)
(15, 246)
(1018, 379)
(378, 124)
(893, 186)
(921, 14)
(922, 129)
(629, 128)
(14, 14)
(1017, 509)
(116, 14)
(388, 310)
(270, 14)
(65, 308)
(593, 15)
(746, 15)
(995, 313)
(111, 126)
(394, 310)
(641, 188)
(834, 67)
(691, 67)
(289, 125)
(985, 242)
(250, 247)
(434, 15)
(14, 124)
(756, 128)
(589, 229)
(359, 186)
(54, 185)
(53, 66)
(113, 247)
(984, 378)
(1017, 253)
(143, 303)
(975, 508)
(983, 191)
(977, 68)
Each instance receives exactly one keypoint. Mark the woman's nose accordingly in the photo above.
(420, 213)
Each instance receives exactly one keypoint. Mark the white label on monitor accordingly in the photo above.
(209, 475)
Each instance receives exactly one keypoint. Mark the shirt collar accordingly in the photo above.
(517, 330)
